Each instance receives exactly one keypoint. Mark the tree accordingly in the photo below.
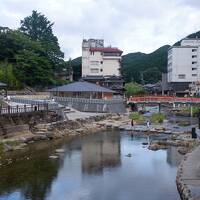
(30, 65)
(38, 28)
(33, 69)
(133, 89)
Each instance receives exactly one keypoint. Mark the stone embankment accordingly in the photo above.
(188, 176)
(183, 142)
(59, 129)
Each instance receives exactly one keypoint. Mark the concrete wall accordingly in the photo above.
(11, 125)
(111, 66)
(93, 105)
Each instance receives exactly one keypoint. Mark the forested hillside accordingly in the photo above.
(145, 68)
(30, 55)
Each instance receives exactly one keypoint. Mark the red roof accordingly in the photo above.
(106, 49)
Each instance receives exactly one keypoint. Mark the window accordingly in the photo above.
(194, 56)
(101, 62)
(91, 52)
(94, 62)
(181, 76)
(94, 70)
(194, 74)
(194, 50)
(194, 68)
(101, 70)
(194, 62)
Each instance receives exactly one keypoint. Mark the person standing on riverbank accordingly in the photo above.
(148, 124)
(132, 124)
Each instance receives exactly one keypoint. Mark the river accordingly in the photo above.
(95, 167)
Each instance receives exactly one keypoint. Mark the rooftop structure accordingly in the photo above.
(82, 89)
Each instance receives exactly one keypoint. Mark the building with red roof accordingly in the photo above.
(100, 61)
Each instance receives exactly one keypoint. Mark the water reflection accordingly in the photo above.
(101, 153)
(30, 176)
(93, 167)
(173, 157)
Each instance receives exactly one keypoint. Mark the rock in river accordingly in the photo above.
(59, 150)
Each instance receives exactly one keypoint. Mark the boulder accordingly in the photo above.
(59, 150)
(7, 147)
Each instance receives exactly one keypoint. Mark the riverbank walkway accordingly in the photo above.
(191, 173)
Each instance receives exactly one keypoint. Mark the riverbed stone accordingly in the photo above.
(59, 150)
(53, 157)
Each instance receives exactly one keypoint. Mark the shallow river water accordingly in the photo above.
(95, 167)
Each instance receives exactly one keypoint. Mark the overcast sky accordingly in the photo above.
(131, 25)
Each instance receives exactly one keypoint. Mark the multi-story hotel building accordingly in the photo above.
(102, 65)
(184, 64)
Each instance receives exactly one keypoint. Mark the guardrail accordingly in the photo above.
(23, 109)
(85, 100)
(164, 99)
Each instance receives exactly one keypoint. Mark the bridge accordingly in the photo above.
(133, 101)
(163, 99)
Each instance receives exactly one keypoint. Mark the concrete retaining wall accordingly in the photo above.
(93, 105)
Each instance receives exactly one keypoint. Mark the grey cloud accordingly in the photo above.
(131, 25)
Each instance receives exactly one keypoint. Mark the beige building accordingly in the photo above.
(98, 60)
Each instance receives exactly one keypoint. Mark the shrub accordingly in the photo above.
(133, 89)
(157, 117)
(136, 116)
(195, 110)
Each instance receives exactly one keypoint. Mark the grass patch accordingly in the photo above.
(13, 143)
(3, 103)
(136, 117)
(1, 148)
(195, 110)
(157, 117)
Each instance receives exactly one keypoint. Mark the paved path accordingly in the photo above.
(191, 173)
(81, 115)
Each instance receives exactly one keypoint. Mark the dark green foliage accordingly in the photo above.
(133, 89)
(145, 68)
(39, 28)
(76, 66)
(33, 53)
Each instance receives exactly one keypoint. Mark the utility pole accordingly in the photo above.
(142, 78)
(6, 73)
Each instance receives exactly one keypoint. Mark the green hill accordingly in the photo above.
(145, 68)
(76, 66)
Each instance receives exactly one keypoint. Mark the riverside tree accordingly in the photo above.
(38, 28)
(31, 55)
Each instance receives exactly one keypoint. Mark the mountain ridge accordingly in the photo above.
(141, 67)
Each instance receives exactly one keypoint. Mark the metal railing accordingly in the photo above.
(23, 109)
(85, 100)
(164, 99)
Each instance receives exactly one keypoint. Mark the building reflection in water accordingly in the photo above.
(173, 156)
(100, 153)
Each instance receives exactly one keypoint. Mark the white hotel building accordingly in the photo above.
(184, 64)
(102, 65)
(98, 60)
